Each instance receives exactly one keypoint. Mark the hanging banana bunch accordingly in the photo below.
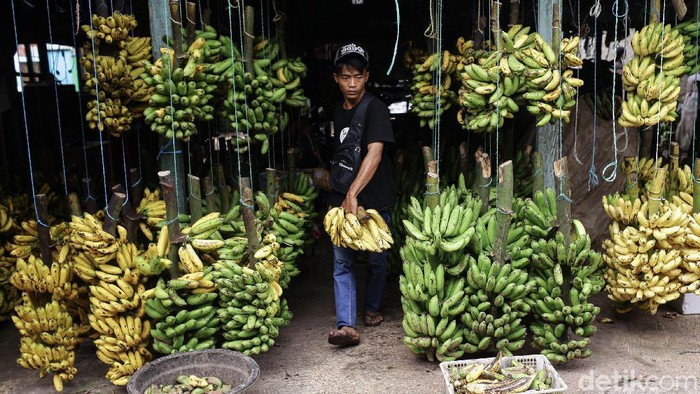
(652, 77)
(690, 32)
(113, 76)
(490, 85)
(551, 84)
(152, 209)
(424, 101)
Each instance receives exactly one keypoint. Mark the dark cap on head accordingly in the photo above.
(351, 50)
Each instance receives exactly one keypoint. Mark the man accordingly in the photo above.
(372, 187)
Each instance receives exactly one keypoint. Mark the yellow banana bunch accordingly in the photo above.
(6, 221)
(621, 209)
(652, 77)
(412, 56)
(32, 275)
(88, 236)
(152, 209)
(49, 338)
(370, 233)
(137, 50)
(111, 29)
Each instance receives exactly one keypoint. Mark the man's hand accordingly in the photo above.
(350, 204)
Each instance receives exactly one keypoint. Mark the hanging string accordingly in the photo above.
(126, 173)
(661, 67)
(279, 15)
(396, 43)
(97, 98)
(498, 86)
(270, 152)
(238, 146)
(174, 152)
(26, 125)
(241, 21)
(624, 92)
(578, 75)
(438, 96)
(430, 31)
(80, 107)
(562, 192)
(695, 91)
(592, 175)
(58, 110)
(201, 16)
(611, 168)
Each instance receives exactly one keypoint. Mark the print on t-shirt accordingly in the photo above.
(344, 133)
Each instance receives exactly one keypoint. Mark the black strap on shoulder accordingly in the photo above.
(358, 117)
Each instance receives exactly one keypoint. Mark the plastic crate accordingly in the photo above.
(536, 361)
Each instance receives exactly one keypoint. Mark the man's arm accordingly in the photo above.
(364, 175)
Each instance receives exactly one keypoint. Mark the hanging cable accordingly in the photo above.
(97, 98)
(58, 110)
(172, 143)
(498, 87)
(562, 192)
(26, 125)
(238, 146)
(695, 91)
(661, 67)
(624, 92)
(126, 172)
(592, 174)
(241, 25)
(578, 75)
(396, 43)
(611, 168)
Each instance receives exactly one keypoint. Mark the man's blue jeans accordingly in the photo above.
(346, 289)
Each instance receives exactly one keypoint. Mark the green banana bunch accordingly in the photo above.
(182, 93)
(551, 85)
(424, 100)
(290, 72)
(250, 305)
(184, 313)
(652, 77)
(578, 273)
(489, 87)
(689, 31)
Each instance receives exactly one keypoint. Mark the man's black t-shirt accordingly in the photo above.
(379, 192)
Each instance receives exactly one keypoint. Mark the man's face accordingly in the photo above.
(351, 82)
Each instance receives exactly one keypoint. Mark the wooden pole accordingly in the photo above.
(42, 205)
(514, 13)
(159, 21)
(135, 186)
(128, 214)
(485, 180)
(504, 212)
(191, 22)
(272, 184)
(90, 202)
(195, 198)
(464, 160)
(432, 186)
(224, 193)
(209, 194)
(114, 209)
(656, 191)
(176, 24)
(427, 156)
(248, 213)
(496, 24)
(248, 37)
(292, 165)
(166, 185)
(538, 174)
(547, 136)
(481, 26)
(561, 172)
(206, 16)
(680, 7)
(74, 205)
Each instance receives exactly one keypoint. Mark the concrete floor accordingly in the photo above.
(637, 353)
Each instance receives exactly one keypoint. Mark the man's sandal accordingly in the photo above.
(373, 319)
(344, 336)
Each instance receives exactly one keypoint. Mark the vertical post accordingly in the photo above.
(463, 160)
(249, 220)
(206, 16)
(224, 193)
(656, 190)
(191, 22)
(432, 186)
(292, 164)
(427, 156)
(561, 172)
(547, 136)
(159, 21)
(195, 198)
(249, 36)
(74, 205)
(504, 211)
(135, 186)
(44, 233)
(654, 11)
(538, 174)
(176, 24)
(128, 214)
(272, 183)
(673, 168)
(496, 24)
(209, 193)
(166, 185)
(514, 12)
(114, 209)
(485, 180)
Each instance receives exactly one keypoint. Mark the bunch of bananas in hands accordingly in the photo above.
(366, 231)
(652, 77)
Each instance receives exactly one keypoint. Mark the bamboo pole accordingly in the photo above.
(427, 156)
(485, 180)
(656, 191)
(504, 211)
(432, 186)
(209, 194)
(292, 165)
(496, 24)
(464, 160)
(538, 174)
(74, 205)
(114, 209)
(191, 22)
(166, 185)
(135, 186)
(248, 37)
(561, 172)
(195, 198)
(224, 193)
(44, 234)
(176, 24)
(249, 220)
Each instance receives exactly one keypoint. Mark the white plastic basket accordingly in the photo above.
(536, 361)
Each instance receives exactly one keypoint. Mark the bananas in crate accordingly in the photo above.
(49, 337)
(490, 85)
(182, 93)
(652, 77)
(493, 378)
(551, 84)
(424, 101)
(690, 30)
(367, 231)
(250, 304)
(113, 76)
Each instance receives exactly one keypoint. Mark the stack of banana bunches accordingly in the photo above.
(457, 299)
(653, 253)
(103, 286)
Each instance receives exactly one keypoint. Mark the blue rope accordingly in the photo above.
(97, 98)
(396, 43)
(26, 126)
(58, 110)
(612, 166)
(164, 151)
